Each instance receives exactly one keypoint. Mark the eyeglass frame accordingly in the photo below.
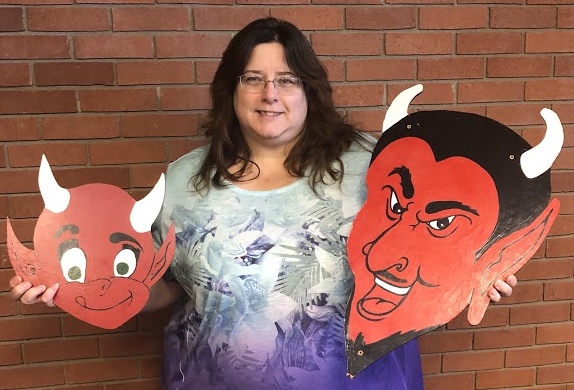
(297, 86)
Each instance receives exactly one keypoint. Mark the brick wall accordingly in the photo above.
(113, 90)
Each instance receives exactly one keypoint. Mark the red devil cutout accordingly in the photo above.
(455, 201)
(95, 241)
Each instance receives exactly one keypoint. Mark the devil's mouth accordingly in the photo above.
(384, 297)
(82, 302)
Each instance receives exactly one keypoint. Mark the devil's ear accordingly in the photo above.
(506, 257)
(162, 258)
(24, 261)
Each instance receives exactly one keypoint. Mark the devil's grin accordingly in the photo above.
(80, 300)
(382, 299)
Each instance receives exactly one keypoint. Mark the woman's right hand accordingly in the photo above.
(24, 292)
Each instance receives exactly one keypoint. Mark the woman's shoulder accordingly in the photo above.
(189, 163)
(358, 157)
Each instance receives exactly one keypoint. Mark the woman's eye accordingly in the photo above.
(395, 205)
(125, 263)
(253, 80)
(441, 223)
(73, 265)
(287, 81)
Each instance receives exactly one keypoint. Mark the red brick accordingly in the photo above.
(450, 68)
(147, 384)
(506, 378)
(489, 43)
(191, 45)
(32, 377)
(146, 175)
(435, 93)
(11, 19)
(555, 334)
(30, 155)
(19, 129)
(367, 120)
(165, 125)
(10, 354)
(517, 114)
(8, 307)
(556, 41)
(177, 148)
(335, 69)
(562, 182)
(445, 341)
(113, 46)
(352, 43)
(380, 18)
(29, 328)
(542, 269)
(23, 228)
(447, 18)
(67, 19)
(5, 276)
(126, 152)
(72, 326)
(531, 66)
(526, 292)
(127, 99)
(151, 367)
(115, 1)
(563, 373)
(185, 98)
(539, 314)
(151, 18)
(535, 356)
(380, 69)
(558, 290)
(566, 203)
(473, 361)
(73, 177)
(156, 72)
(96, 371)
(13, 47)
(404, 43)
(226, 18)
(130, 344)
(358, 95)
(565, 17)
(463, 381)
(37, 102)
(560, 246)
(526, 16)
(18, 181)
(80, 127)
(26, 206)
(503, 338)
(14, 75)
(431, 364)
(564, 66)
(311, 18)
(549, 89)
(205, 70)
(60, 349)
(495, 316)
(490, 91)
(74, 73)
(346, 2)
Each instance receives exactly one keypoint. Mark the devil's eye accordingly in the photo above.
(441, 223)
(125, 263)
(395, 205)
(73, 263)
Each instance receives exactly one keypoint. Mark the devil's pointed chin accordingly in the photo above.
(123, 299)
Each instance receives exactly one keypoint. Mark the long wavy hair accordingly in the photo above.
(324, 137)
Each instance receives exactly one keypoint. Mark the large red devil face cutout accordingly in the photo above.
(95, 241)
(455, 201)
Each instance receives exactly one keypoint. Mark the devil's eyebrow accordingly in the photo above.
(74, 229)
(435, 207)
(119, 237)
(406, 181)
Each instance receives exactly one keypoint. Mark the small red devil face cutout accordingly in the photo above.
(455, 201)
(95, 241)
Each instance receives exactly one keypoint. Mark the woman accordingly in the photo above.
(262, 215)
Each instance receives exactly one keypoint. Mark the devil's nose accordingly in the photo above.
(367, 248)
(102, 285)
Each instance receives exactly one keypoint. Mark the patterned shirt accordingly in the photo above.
(267, 283)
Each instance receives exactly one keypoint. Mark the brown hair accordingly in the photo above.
(325, 135)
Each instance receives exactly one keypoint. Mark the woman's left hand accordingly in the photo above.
(502, 288)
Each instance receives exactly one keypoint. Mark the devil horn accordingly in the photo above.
(145, 210)
(539, 159)
(400, 105)
(56, 199)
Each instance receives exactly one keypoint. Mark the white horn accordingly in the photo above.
(539, 159)
(400, 105)
(145, 210)
(56, 199)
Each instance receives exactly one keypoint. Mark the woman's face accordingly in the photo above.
(267, 118)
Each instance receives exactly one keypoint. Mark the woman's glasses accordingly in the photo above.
(285, 85)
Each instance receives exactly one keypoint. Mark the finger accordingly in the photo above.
(16, 280)
(19, 289)
(33, 295)
(512, 281)
(503, 288)
(48, 296)
(494, 295)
